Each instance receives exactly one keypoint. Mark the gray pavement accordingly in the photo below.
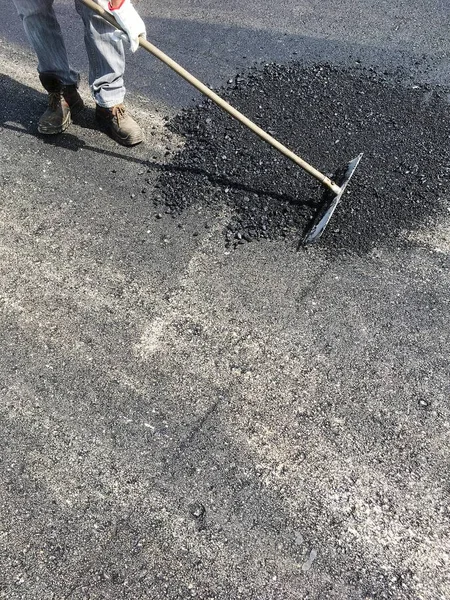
(180, 420)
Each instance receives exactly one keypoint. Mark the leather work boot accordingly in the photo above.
(119, 125)
(64, 101)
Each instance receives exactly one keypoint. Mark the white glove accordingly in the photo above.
(129, 20)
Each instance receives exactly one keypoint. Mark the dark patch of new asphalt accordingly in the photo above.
(327, 115)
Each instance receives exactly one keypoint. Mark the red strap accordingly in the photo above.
(117, 7)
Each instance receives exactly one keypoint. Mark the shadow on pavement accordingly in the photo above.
(23, 106)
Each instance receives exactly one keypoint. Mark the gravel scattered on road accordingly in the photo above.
(328, 115)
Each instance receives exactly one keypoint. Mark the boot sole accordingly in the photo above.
(55, 130)
(129, 141)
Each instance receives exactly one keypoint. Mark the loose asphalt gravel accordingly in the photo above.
(328, 116)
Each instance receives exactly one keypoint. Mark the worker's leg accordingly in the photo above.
(44, 33)
(57, 77)
(106, 69)
(106, 58)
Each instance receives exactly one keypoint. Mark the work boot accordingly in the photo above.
(64, 101)
(119, 125)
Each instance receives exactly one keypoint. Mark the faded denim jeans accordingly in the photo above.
(106, 55)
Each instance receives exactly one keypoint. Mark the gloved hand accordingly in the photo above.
(128, 18)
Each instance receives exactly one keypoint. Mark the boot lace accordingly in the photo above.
(119, 112)
(54, 98)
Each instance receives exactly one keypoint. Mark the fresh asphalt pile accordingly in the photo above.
(328, 116)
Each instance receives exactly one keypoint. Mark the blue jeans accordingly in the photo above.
(106, 55)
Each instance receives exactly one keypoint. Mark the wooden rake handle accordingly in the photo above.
(220, 101)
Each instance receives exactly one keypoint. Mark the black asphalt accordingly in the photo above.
(327, 115)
